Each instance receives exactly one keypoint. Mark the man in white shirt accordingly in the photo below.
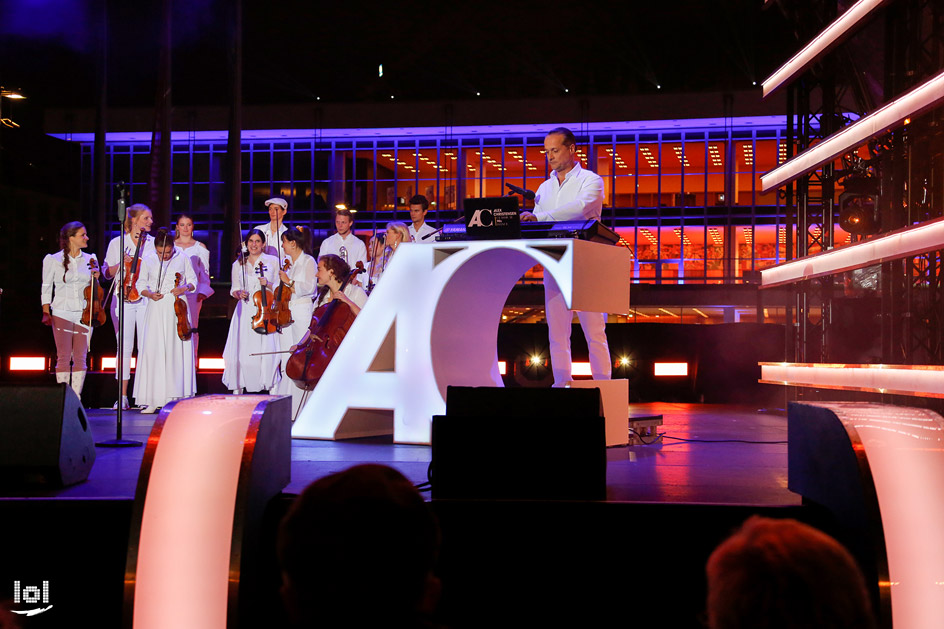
(273, 230)
(345, 244)
(419, 205)
(571, 193)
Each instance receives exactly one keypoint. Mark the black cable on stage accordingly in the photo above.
(666, 436)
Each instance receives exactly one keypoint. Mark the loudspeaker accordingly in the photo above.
(44, 436)
(519, 443)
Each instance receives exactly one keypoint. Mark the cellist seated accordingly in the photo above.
(332, 271)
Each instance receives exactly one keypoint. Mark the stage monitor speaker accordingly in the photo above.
(519, 443)
(45, 437)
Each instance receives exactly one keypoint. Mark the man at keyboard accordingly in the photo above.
(571, 193)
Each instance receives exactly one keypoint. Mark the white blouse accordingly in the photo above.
(114, 254)
(199, 257)
(252, 285)
(302, 272)
(160, 278)
(355, 293)
(66, 294)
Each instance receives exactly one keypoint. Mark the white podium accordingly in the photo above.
(433, 322)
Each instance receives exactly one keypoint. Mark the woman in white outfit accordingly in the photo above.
(332, 271)
(66, 275)
(166, 369)
(121, 249)
(251, 271)
(382, 250)
(300, 279)
(199, 257)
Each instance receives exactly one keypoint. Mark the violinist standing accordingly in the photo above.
(300, 279)
(382, 250)
(166, 369)
(273, 230)
(242, 371)
(199, 257)
(66, 275)
(122, 249)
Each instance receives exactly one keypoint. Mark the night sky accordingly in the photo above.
(297, 51)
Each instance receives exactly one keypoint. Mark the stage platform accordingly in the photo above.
(711, 454)
(503, 563)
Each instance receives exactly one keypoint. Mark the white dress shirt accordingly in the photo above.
(351, 249)
(273, 243)
(579, 197)
(416, 235)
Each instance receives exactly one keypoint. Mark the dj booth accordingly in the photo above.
(433, 322)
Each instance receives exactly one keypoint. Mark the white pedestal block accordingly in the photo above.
(615, 395)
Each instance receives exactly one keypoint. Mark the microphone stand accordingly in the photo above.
(118, 441)
(373, 257)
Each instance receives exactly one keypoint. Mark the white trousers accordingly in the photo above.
(559, 325)
(71, 343)
(134, 319)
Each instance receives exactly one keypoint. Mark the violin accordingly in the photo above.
(184, 331)
(132, 271)
(329, 326)
(262, 320)
(94, 313)
(281, 310)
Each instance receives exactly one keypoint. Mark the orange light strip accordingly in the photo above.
(186, 533)
(27, 363)
(903, 243)
(670, 369)
(917, 380)
(903, 448)
(821, 44)
(502, 367)
(108, 363)
(917, 101)
(210, 364)
(580, 369)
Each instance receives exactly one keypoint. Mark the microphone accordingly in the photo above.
(527, 194)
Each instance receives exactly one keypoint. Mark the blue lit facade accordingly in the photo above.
(684, 194)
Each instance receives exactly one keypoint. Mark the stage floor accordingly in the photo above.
(741, 458)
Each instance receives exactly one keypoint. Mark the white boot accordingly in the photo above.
(62, 377)
(78, 381)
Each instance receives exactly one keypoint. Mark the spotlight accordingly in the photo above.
(858, 205)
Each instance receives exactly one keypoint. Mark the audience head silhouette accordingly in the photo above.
(782, 574)
(357, 548)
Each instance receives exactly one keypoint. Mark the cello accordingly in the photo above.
(329, 326)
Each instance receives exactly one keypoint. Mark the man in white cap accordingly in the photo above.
(273, 230)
